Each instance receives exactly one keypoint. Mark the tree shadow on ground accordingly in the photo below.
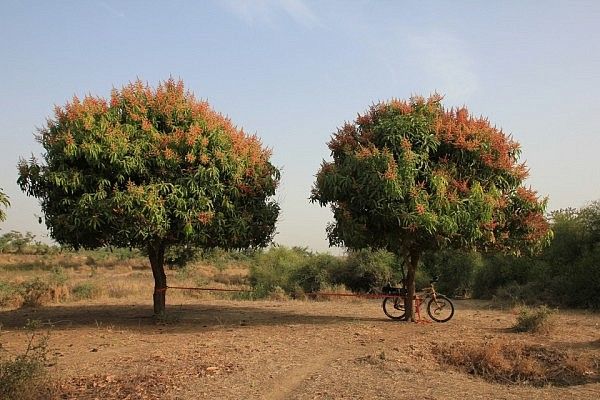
(181, 318)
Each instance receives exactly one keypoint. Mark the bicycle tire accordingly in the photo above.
(440, 309)
(393, 307)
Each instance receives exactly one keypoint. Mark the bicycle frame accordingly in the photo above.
(437, 304)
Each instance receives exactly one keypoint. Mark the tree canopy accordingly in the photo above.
(4, 203)
(151, 168)
(411, 176)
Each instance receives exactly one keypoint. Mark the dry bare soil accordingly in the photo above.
(224, 349)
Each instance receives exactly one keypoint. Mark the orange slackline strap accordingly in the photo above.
(363, 295)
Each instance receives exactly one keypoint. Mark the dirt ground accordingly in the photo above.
(223, 349)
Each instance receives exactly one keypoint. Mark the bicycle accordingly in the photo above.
(439, 307)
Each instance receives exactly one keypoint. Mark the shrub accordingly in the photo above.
(274, 268)
(277, 294)
(456, 269)
(314, 274)
(535, 320)
(85, 290)
(515, 362)
(35, 292)
(58, 276)
(532, 293)
(366, 270)
(581, 280)
(24, 376)
(9, 295)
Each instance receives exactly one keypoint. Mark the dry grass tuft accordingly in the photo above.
(517, 362)
(278, 294)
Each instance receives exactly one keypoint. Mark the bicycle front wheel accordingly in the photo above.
(393, 307)
(440, 309)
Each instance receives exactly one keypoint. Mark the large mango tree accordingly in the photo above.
(149, 169)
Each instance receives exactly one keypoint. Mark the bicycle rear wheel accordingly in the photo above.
(440, 309)
(393, 307)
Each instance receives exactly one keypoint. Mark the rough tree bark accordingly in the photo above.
(156, 254)
(410, 285)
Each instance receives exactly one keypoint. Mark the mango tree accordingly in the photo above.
(411, 176)
(149, 169)
(4, 203)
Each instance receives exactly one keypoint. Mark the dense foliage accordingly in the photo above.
(296, 271)
(411, 177)
(566, 273)
(149, 169)
(4, 203)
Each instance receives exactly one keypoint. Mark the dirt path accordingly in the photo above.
(284, 386)
(280, 350)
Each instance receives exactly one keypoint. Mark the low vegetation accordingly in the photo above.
(565, 274)
(505, 361)
(24, 376)
(535, 320)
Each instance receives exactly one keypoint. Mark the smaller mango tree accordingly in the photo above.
(150, 169)
(411, 176)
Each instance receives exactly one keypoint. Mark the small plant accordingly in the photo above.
(278, 294)
(24, 376)
(58, 276)
(310, 277)
(9, 295)
(535, 320)
(85, 290)
(35, 292)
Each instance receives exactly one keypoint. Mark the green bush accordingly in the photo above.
(456, 269)
(58, 276)
(85, 291)
(535, 320)
(274, 268)
(9, 294)
(580, 281)
(530, 293)
(24, 376)
(314, 274)
(366, 270)
(35, 292)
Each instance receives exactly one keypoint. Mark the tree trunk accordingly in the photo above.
(410, 285)
(157, 261)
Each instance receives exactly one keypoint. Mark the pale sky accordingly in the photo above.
(292, 71)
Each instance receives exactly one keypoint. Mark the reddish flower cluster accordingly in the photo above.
(392, 169)
(495, 149)
(170, 104)
(537, 226)
(527, 195)
(205, 217)
(345, 139)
